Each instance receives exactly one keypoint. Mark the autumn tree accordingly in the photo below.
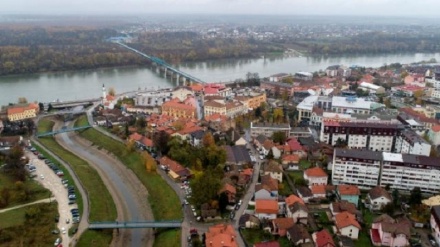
(279, 137)
(205, 188)
(111, 91)
(415, 197)
(160, 141)
(278, 115)
(208, 140)
(14, 165)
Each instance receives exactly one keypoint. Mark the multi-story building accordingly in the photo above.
(367, 169)
(378, 135)
(175, 108)
(358, 167)
(408, 142)
(277, 87)
(267, 129)
(21, 112)
(214, 89)
(253, 100)
(224, 108)
(153, 98)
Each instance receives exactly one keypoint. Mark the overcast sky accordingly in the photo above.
(414, 8)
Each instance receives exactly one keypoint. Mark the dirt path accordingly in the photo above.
(47, 200)
(126, 210)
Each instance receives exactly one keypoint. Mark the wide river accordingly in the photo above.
(75, 85)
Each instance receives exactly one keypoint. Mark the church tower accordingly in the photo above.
(104, 94)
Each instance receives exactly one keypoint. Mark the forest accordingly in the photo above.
(34, 50)
(183, 46)
(372, 42)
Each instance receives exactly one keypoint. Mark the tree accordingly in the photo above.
(223, 201)
(208, 140)
(415, 197)
(396, 197)
(269, 155)
(279, 137)
(301, 182)
(141, 122)
(288, 80)
(341, 143)
(258, 112)
(278, 115)
(205, 188)
(41, 106)
(22, 100)
(160, 141)
(389, 209)
(130, 146)
(111, 91)
(14, 165)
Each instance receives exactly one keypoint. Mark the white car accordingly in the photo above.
(63, 230)
(42, 176)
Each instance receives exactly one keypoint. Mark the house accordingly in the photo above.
(316, 176)
(304, 193)
(176, 170)
(290, 162)
(345, 241)
(386, 231)
(240, 142)
(267, 244)
(196, 137)
(348, 192)
(273, 169)
(435, 223)
(266, 209)
(347, 225)
(142, 142)
(259, 141)
(248, 221)
(237, 155)
(377, 198)
(318, 191)
(230, 192)
(296, 209)
(279, 226)
(207, 211)
(267, 147)
(294, 147)
(221, 235)
(276, 152)
(343, 206)
(298, 235)
(434, 135)
(323, 239)
(267, 189)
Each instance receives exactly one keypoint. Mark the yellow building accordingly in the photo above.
(252, 101)
(174, 108)
(16, 113)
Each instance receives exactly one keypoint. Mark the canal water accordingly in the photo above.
(74, 85)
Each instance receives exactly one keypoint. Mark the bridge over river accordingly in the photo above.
(165, 67)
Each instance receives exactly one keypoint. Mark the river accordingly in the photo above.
(73, 85)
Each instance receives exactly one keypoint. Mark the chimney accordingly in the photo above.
(232, 238)
(210, 243)
(223, 243)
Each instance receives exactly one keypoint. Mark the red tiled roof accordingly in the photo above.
(173, 165)
(294, 144)
(135, 137)
(216, 117)
(315, 172)
(436, 128)
(19, 109)
(318, 189)
(266, 206)
(346, 219)
(267, 244)
(221, 235)
(324, 239)
(345, 189)
(228, 188)
(292, 199)
(291, 158)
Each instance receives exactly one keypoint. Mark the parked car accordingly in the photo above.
(57, 242)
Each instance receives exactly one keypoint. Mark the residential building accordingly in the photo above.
(367, 169)
(267, 129)
(332, 70)
(237, 155)
(273, 169)
(374, 135)
(267, 189)
(253, 100)
(409, 142)
(316, 176)
(230, 192)
(305, 76)
(435, 223)
(347, 225)
(142, 141)
(175, 170)
(279, 226)
(298, 132)
(217, 89)
(299, 235)
(221, 235)
(278, 77)
(377, 198)
(178, 109)
(343, 206)
(22, 112)
(290, 162)
(318, 191)
(266, 209)
(296, 209)
(248, 221)
(323, 239)
(277, 87)
(386, 231)
(359, 167)
(349, 193)
(182, 93)
(434, 135)
(153, 98)
(304, 193)
(226, 108)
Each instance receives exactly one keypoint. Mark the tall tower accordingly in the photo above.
(104, 94)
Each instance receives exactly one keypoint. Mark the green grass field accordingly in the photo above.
(162, 198)
(102, 207)
(33, 230)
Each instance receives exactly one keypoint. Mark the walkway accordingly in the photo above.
(47, 200)
(145, 224)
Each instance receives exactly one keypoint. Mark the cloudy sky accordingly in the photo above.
(414, 8)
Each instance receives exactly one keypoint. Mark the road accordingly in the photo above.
(83, 225)
(129, 194)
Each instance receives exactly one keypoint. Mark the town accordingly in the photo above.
(346, 156)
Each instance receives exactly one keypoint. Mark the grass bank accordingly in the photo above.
(102, 207)
(162, 198)
(29, 226)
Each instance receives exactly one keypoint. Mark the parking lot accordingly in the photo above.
(50, 180)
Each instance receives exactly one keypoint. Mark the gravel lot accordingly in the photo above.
(52, 182)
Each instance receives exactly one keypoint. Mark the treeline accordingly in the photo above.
(374, 42)
(177, 47)
(40, 50)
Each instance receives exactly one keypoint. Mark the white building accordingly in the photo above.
(408, 142)
(267, 129)
(357, 167)
(351, 105)
(368, 169)
(182, 93)
(372, 88)
(316, 176)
